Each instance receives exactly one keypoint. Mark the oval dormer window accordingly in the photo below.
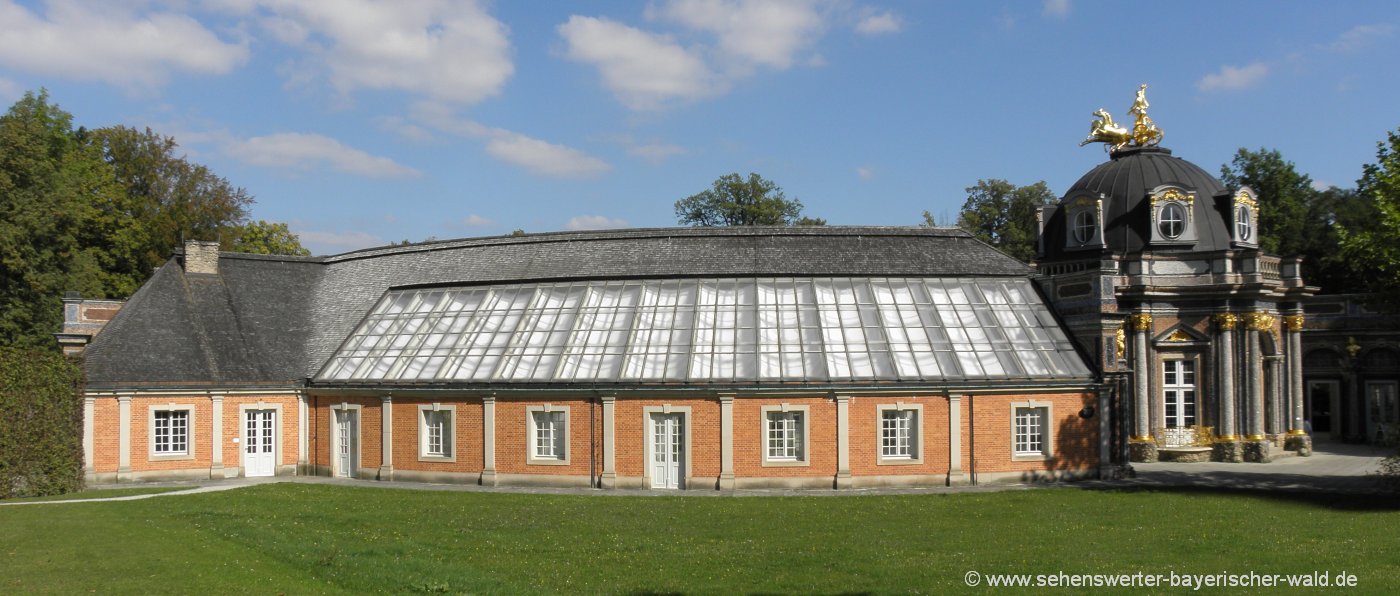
(1242, 227)
(1171, 221)
(1083, 227)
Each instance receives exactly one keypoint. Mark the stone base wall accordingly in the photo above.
(1142, 452)
(1228, 451)
(1257, 452)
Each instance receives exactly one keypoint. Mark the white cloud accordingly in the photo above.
(656, 152)
(594, 222)
(1359, 37)
(865, 173)
(1231, 78)
(540, 157)
(645, 71)
(750, 32)
(477, 221)
(321, 243)
(879, 24)
(445, 50)
(401, 127)
(1055, 8)
(543, 157)
(111, 42)
(305, 150)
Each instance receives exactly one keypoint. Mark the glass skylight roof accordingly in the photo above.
(711, 330)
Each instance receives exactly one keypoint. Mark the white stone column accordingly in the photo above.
(1294, 325)
(303, 416)
(123, 437)
(955, 471)
(386, 463)
(89, 438)
(488, 441)
(843, 440)
(726, 441)
(1227, 429)
(216, 436)
(609, 479)
(1142, 371)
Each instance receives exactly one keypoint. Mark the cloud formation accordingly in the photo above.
(535, 155)
(477, 221)
(444, 50)
(1055, 8)
(1231, 78)
(880, 24)
(656, 152)
(649, 71)
(594, 222)
(309, 150)
(320, 243)
(1359, 37)
(115, 43)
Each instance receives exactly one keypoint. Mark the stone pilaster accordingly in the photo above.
(386, 463)
(216, 431)
(843, 440)
(609, 478)
(955, 471)
(726, 441)
(89, 436)
(123, 437)
(488, 441)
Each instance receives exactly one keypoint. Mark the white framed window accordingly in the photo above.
(1179, 393)
(436, 423)
(1084, 226)
(1243, 227)
(170, 432)
(547, 435)
(1171, 220)
(785, 441)
(1032, 437)
(900, 439)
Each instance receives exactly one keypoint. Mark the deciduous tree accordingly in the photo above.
(1003, 215)
(1377, 250)
(735, 201)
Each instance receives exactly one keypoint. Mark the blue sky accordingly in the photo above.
(361, 123)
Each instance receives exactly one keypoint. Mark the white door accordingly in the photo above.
(259, 453)
(667, 450)
(347, 443)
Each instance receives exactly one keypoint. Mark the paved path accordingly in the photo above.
(1333, 468)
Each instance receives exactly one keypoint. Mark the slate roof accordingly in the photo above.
(1125, 181)
(270, 320)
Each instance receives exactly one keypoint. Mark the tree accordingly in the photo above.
(1284, 196)
(265, 238)
(734, 201)
(1003, 215)
(1377, 250)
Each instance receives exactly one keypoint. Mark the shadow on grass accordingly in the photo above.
(1283, 488)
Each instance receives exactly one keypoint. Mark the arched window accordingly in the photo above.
(1171, 221)
(1242, 225)
(1083, 226)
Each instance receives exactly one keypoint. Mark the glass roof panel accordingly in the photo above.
(777, 329)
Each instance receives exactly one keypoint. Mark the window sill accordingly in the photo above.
(446, 459)
(547, 462)
(899, 461)
(171, 457)
(781, 463)
(1030, 457)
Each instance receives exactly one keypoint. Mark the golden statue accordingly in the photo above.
(1144, 133)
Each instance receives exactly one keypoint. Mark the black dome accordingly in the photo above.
(1125, 183)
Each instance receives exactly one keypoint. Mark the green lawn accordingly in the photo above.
(299, 538)
(101, 493)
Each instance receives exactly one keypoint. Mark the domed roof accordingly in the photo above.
(1126, 184)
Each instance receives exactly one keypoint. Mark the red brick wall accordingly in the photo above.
(749, 441)
(466, 436)
(865, 436)
(319, 444)
(1075, 439)
(512, 428)
(630, 426)
(200, 438)
(105, 435)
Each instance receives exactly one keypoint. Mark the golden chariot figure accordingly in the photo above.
(1114, 136)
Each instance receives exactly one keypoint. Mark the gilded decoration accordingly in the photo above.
(1120, 343)
(1114, 136)
(1353, 348)
(1084, 201)
(1173, 194)
(1226, 321)
(1259, 321)
(1140, 322)
(1180, 335)
(1293, 323)
(1243, 198)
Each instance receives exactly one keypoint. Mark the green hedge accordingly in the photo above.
(41, 424)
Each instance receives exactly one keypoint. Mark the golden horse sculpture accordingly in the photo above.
(1104, 130)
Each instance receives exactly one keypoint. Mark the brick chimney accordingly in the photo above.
(82, 320)
(201, 256)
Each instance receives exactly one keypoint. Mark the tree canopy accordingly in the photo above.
(735, 201)
(96, 211)
(1376, 249)
(1003, 215)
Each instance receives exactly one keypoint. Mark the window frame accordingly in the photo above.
(531, 457)
(1083, 222)
(1244, 223)
(804, 424)
(1162, 220)
(916, 435)
(449, 428)
(189, 452)
(1047, 431)
(1195, 387)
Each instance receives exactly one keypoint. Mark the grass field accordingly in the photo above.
(101, 493)
(301, 538)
